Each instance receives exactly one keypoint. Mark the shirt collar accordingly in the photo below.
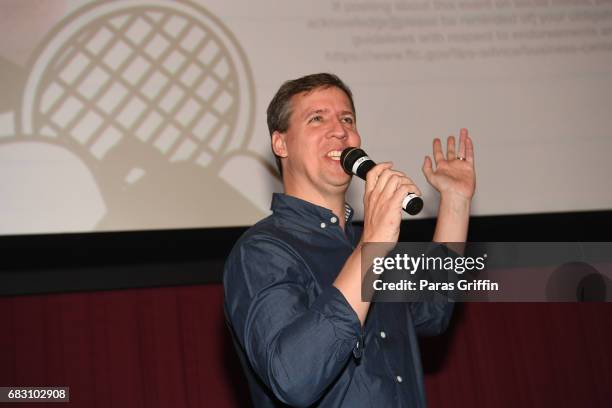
(284, 204)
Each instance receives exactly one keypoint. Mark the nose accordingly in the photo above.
(338, 129)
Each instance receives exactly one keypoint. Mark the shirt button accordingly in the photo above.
(383, 335)
(323, 225)
(357, 350)
(333, 220)
(399, 378)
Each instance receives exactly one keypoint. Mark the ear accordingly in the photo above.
(279, 146)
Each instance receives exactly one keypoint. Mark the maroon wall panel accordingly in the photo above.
(524, 355)
(134, 348)
(168, 347)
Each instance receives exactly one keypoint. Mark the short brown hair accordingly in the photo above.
(280, 109)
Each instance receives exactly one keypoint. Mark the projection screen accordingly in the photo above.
(137, 115)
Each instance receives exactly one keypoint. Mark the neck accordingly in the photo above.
(334, 202)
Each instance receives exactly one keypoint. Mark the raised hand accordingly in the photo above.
(454, 174)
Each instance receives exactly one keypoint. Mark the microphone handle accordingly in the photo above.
(412, 204)
(361, 169)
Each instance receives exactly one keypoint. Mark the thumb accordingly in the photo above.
(427, 168)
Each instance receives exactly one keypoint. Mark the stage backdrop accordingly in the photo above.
(131, 115)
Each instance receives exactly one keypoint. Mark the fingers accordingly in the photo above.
(469, 150)
(437, 151)
(388, 181)
(372, 176)
(450, 148)
(384, 182)
(465, 148)
(427, 168)
(403, 190)
(386, 189)
(388, 177)
(412, 188)
(463, 135)
(397, 182)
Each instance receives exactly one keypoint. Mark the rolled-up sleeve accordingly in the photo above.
(296, 342)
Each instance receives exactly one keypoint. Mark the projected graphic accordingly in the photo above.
(147, 114)
(154, 99)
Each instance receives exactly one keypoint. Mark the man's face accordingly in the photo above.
(322, 124)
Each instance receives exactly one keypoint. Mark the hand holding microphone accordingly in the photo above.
(355, 161)
(387, 192)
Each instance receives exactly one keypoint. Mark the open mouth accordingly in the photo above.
(334, 154)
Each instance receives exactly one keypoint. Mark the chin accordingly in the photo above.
(341, 181)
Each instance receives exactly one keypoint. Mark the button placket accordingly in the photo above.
(398, 378)
(358, 349)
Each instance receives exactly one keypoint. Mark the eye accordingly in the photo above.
(316, 118)
(348, 120)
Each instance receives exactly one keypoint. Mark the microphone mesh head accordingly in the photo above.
(349, 156)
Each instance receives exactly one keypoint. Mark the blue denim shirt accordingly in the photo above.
(298, 339)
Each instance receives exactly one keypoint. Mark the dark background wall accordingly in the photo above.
(135, 319)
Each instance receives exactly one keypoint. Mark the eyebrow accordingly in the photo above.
(346, 112)
(313, 111)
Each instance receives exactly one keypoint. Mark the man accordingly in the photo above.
(293, 281)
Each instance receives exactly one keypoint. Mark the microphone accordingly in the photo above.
(355, 161)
